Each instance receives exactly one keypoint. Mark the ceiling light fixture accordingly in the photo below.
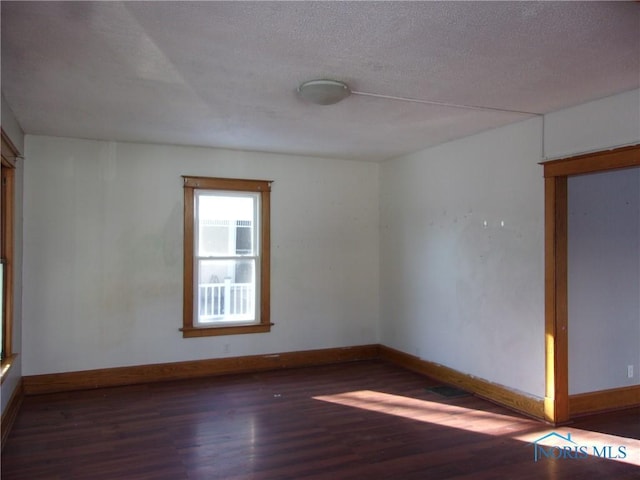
(329, 92)
(324, 92)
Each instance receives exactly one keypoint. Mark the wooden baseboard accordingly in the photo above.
(504, 396)
(11, 412)
(581, 404)
(604, 400)
(112, 377)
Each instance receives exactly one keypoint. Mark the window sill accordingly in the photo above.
(6, 365)
(192, 332)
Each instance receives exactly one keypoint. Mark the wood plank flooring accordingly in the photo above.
(363, 420)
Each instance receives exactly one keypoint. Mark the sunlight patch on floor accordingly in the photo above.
(581, 443)
(422, 410)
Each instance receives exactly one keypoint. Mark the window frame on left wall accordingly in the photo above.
(193, 186)
(7, 206)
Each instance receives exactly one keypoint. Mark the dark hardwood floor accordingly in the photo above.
(364, 420)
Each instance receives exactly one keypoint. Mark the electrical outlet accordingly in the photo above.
(629, 371)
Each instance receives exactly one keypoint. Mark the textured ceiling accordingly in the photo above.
(224, 74)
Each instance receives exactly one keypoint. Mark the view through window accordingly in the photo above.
(226, 256)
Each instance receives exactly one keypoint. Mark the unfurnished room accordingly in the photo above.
(320, 240)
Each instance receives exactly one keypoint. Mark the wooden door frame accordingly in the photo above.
(556, 174)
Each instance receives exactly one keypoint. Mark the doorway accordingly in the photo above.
(559, 405)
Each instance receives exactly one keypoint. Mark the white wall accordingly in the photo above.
(457, 292)
(466, 296)
(11, 126)
(13, 130)
(598, 125)
(103, 253)
(604, 280)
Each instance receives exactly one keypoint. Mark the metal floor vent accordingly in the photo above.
(448, 391)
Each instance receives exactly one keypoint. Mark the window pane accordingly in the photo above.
(226, 251)
(225, 224)
(226, 290)
(244, 237)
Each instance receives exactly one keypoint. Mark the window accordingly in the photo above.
(9, 154)
(226, 256)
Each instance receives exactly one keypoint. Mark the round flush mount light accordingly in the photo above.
(324, 92)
